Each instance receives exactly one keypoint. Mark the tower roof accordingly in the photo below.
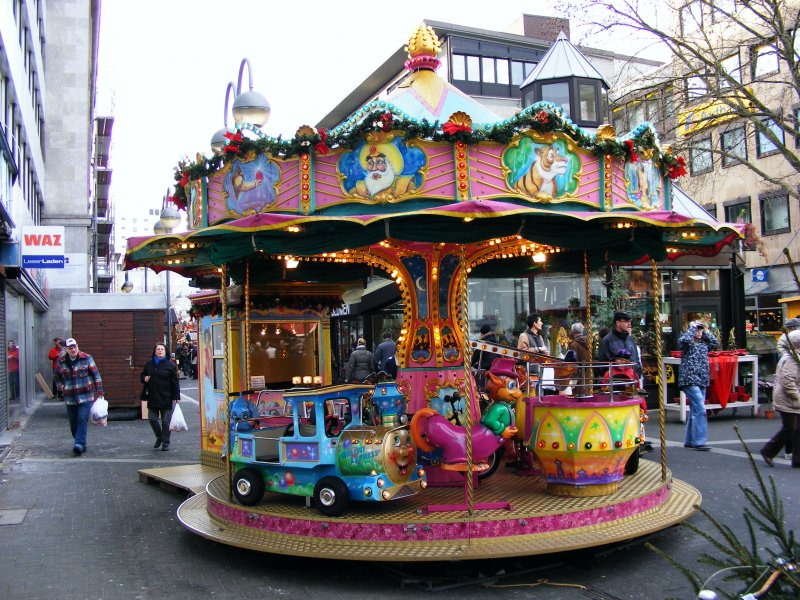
(563, 60)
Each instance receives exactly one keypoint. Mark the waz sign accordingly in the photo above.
(43, 247)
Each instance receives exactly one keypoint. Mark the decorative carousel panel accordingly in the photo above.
(383, 168)
(195, 193)
(643, 184)
(547, 168)
(245, 187)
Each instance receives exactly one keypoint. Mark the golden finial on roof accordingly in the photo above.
(423, 48)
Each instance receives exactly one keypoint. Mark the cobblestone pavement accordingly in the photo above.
(87, 528)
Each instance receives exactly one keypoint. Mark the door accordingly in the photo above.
(706, 310)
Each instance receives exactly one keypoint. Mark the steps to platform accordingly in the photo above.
(537, 523)
(191, 478)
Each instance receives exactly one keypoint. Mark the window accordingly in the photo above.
(765, 60)
(502, 70)
(739, 210)
(711, 209)
(700, 158)
(696, 87)
(587, 94)
(692, 17)
(459, 67)
(765, 146)
(517, 73)
(734, 146)
(473, 68)
(635, 114)
(733, 67)
(558, 94)
(722, 8)
(618, 120)
(774, 214)
(651, 106)
(488, 69)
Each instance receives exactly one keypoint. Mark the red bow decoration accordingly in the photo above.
(178, 201)
(458, 121)
(322, 147)
(386, 121)
(450, 128)
(631, 150)
(542, 117)
(236, 139)
(184, 179)
(677, 169)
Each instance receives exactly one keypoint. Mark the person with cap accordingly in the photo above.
(786, 400)
(483, 360)
(693, 377)
(619, 338)
(783, 347)
(81, 384)
(783, 341)
(361, 363)
(384, 350)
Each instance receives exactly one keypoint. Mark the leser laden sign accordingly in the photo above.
(43, 247)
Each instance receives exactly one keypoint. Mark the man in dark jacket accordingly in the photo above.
(620, 338)
(483, 360)
(385, 349)
(693, 379)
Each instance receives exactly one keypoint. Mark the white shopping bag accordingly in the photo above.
(99, 413)
(177, 422)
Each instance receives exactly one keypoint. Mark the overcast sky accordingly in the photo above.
(165, 65)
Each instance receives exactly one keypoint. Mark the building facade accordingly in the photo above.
(53, 166)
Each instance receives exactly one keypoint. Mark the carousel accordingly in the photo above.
(426, 188)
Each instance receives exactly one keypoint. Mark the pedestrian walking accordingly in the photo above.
(81, 384)
(786, 400)
(384, 350)
(693, 380)
(160, 378)
(361, 363)
(12, 364)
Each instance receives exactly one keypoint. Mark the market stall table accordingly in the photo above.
(715, 399)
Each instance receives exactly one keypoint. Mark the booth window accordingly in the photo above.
(285, 353)
(218, 353)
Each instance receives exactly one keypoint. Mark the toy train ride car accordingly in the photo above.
(322, 448)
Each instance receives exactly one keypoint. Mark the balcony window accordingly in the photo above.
(696, 87)
(700, 158)
(692, 17)
(765, 60)
(732, 66)
(775, 214)
(473, 68)
(734, 146)
(459, 67)
(502, 70)
(764, 145)
(488, 69)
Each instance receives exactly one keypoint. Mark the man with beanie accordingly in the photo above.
(384, 350)
(620, 339)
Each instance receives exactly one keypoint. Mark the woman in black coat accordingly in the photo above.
(161, 388)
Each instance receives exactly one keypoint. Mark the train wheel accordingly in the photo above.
(331, 496)
(248, 486)
(494, 462)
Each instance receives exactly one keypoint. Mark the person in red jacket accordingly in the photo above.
(56, 351)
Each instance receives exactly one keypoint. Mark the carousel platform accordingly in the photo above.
(406, 531)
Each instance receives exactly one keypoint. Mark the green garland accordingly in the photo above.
(542, 117)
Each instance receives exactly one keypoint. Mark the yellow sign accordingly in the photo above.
(709, 113)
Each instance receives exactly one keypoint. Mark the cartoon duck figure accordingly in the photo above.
(239, 184)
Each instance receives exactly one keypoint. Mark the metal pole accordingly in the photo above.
(169, 320)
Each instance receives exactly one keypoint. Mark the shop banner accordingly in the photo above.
(43, 247)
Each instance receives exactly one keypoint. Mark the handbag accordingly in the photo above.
(177, 422)
(145, 394)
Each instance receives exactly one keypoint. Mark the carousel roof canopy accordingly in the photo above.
(405, 170)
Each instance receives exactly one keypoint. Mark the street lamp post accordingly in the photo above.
(169, 221)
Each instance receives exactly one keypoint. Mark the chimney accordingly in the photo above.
(544, 28)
